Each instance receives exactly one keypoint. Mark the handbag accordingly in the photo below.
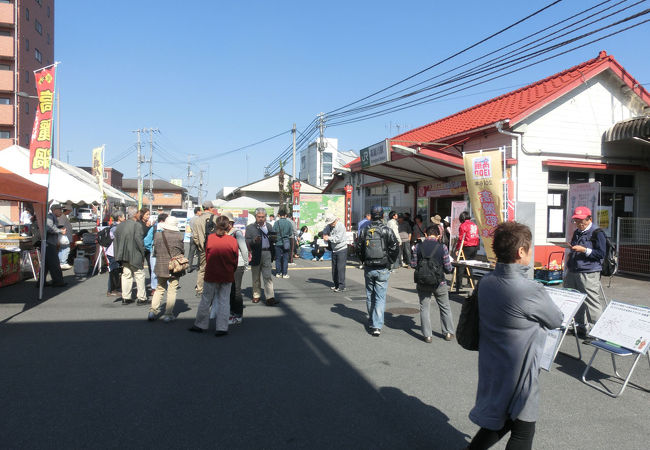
(467, 333)
(177, 264)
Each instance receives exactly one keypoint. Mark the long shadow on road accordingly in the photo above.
(272, 383)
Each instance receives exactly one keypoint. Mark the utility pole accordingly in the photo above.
(321, 148)
(151, 131)
(201, 187)
(139, 171)
(293, 131)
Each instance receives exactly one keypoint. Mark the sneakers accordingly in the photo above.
(151, 317)
(376, 332)
(278, 275)
(339, 289)
(168, 319)
(143, 302)
(234, 319)
(285, 276)
(448, 336)
(66, 266)
(333, 288)
(220, 333)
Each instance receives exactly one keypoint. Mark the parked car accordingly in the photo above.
(85, 214)
(181, 215)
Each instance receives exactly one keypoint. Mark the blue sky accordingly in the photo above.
(213, 76)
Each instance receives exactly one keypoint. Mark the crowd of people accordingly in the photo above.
(514, 311)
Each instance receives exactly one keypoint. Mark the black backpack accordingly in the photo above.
(429, 271)
(375, 247)
(104, 237)
(610, 261)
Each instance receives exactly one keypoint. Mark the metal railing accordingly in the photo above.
(633, 244)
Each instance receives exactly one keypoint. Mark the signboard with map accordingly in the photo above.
(314, 208)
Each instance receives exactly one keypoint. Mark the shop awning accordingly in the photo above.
(408, 166)
(634, 128)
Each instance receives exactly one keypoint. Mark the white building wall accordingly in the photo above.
(571, 125)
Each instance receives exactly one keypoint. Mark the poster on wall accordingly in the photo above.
(423, 208)
(484, 174)
(314, 208)
(581, 194)
(603, 219)
(456, 209)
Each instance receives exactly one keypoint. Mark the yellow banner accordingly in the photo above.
(98, 167)
(484, 175)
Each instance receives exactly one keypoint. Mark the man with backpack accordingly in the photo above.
(584, 266)
(377, 248)
(431, 261)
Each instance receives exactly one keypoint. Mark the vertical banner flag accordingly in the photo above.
(40, 145)
(98, 167)
(484, 175)
(580, 194)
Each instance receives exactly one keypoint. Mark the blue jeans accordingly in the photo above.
(281, 260)
(64, 252)
(154, 278)
(376, 285)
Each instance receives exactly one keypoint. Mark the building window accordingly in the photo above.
(578, 177)
(5, 134)
(48, 38)
(606, 179)
(27, 76)
(5, 101)
(626, 181)
(48, 11)
(5, 33)
(327, 163)
(26, 107)
(556, 214)
(106, 174)
(38, 55)
(38, 26)
(26, 44)
(557, 177)
(40, 2)
(168, 195)
(25, 140)
(27, 14)
(5, 67)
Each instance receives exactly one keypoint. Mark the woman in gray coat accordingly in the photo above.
(514, 314)
(167, 244)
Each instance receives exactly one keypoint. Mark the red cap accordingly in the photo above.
(581, 212)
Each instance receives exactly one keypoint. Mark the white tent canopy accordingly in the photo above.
(67, 183)
(244, 203)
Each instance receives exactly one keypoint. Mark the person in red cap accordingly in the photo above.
(584, 264)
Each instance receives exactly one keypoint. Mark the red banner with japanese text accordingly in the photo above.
(40, 145)
(484, 175)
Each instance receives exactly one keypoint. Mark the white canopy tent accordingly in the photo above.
(67, 183)
(245, 203)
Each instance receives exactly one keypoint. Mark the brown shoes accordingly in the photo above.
(449, 337)
(428, 339)
(271, 301)
(256, 299)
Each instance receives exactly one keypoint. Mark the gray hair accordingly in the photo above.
(131, 211)
(260, 211)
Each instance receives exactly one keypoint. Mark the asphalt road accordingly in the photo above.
(81, 370)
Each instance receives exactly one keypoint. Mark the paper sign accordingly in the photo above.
(567, 301)
(553, 338)
(581, 194)
(624, 325)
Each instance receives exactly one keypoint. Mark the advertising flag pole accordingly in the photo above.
(49, 176)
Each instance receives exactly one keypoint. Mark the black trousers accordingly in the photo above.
(339, 260)
(191, 253)
(470, 253)
(406, 253)
(52, 264)
(521, 436)
(236, 299)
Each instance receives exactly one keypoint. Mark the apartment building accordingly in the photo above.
(26, 44)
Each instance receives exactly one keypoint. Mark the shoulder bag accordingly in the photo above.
(177, 264)
(467, 330)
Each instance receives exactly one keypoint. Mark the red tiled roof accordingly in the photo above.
(519, 104)
(354, 161)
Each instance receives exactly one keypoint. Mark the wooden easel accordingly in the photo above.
(461, 257)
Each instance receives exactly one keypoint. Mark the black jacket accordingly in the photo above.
(390, 244)
(255, 248)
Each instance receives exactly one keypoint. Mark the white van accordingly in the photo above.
(181, 215)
